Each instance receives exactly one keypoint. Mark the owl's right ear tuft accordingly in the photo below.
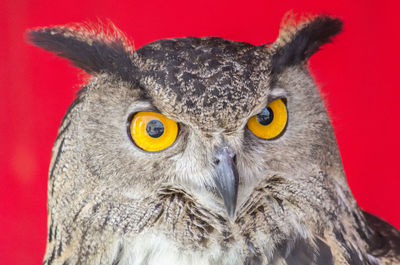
(93, 50)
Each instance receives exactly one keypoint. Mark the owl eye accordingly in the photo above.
(152, 131)
(270, 122)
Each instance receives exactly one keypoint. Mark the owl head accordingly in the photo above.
(210, 116)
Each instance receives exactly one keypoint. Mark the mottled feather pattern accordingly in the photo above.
(109, 202)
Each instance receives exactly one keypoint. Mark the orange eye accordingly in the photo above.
(270, 122)
(152, 131)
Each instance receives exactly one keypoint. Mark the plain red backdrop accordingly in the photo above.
(358, 73)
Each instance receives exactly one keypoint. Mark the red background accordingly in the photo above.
(358, 74)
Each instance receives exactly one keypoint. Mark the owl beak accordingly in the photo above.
(227, 177)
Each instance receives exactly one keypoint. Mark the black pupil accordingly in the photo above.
(155, 128)
(266, 116)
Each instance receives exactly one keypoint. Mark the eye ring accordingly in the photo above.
(271, 122)
(151, 131)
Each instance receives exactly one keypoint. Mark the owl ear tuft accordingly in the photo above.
(297, 41)
(93, 50)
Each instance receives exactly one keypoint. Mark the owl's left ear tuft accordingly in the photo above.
(95, 49)
(297, 41)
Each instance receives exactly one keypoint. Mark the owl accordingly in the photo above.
(197, 151)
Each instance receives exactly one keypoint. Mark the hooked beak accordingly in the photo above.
(227, 177)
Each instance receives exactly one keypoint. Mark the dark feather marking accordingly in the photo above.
(119, 255)
(221, 220)
(385, 237)
(106, 219)
(339, 237)
(171, 199)
(52, 256)
(342, 228)
(189, 228)
(303, 253)
(59, 150)
(64, 129)
(253, 260)
(127, 225)
(95, 208)
(66, 262)
(50, 235)
(280, 202)
(353, 257)
(74, 103)
(77, 213)
(82, 246)
(158, 217)
(324, 254)
(359, 229)
(51, 227)
(90, 53)
(55, 232)
(305, 42)
(59, 248)
(145, 225)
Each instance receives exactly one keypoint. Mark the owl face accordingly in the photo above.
(215, 93)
